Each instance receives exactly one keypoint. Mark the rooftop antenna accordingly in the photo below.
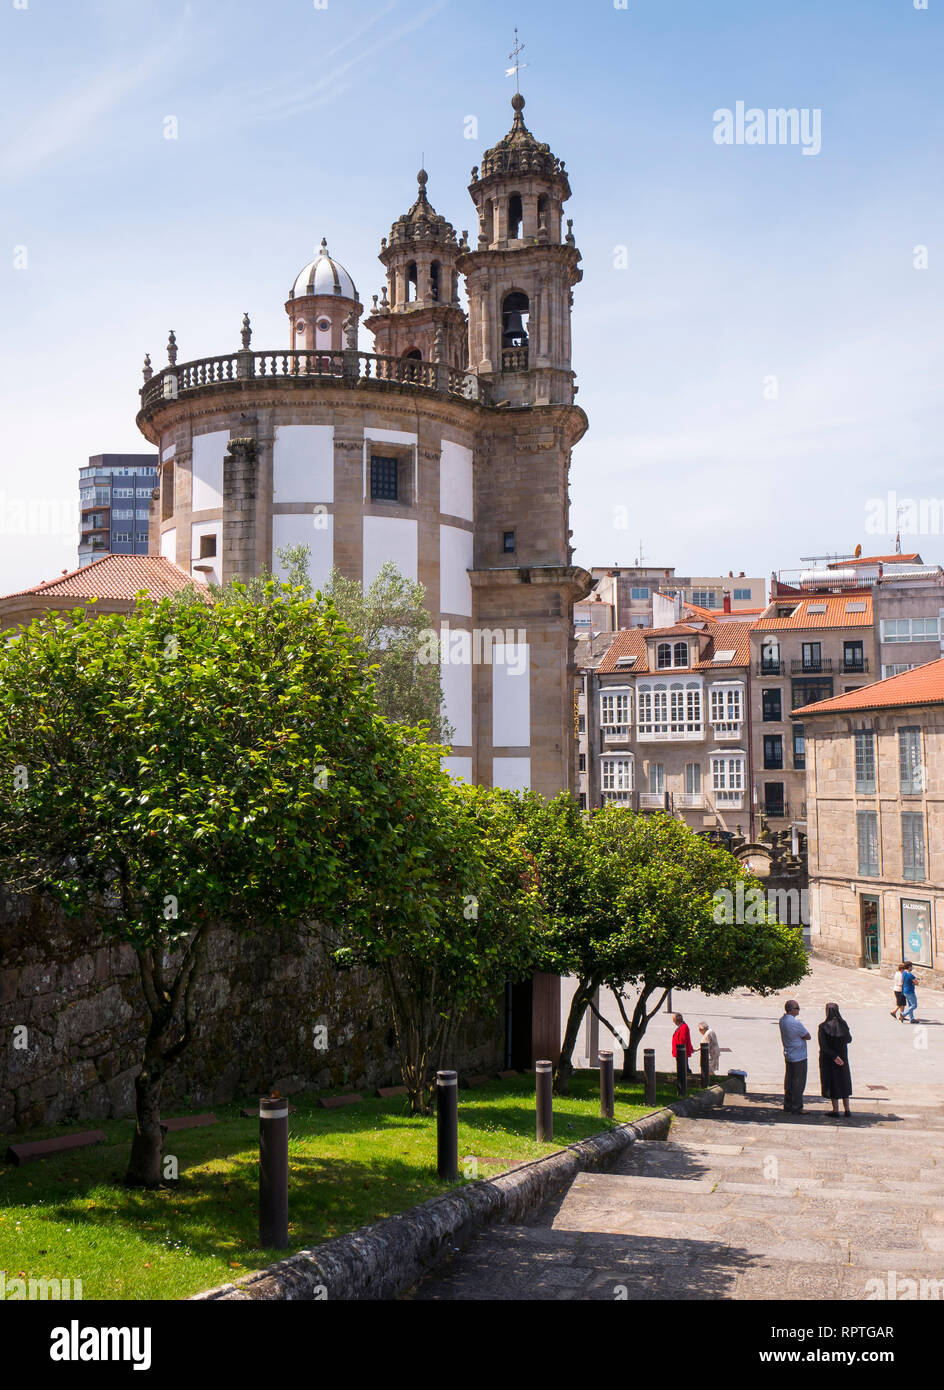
(515, 52)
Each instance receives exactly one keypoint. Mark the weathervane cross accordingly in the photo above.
(518, 49)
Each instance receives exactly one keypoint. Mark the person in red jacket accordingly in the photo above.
(681, 1037)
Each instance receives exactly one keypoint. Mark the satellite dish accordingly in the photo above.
(858, 551)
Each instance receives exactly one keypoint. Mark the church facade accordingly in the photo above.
(446, 450)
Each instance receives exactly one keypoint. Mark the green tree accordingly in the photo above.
(468, 923)
(197, 763)
(631, 905)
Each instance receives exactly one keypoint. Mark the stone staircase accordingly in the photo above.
(739, 1203)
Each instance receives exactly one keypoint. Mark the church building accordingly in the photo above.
(446, 450)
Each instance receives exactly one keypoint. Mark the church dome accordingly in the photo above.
(422, 222)
(520, 153)
(324, 275)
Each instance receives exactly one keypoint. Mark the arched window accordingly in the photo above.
(514, 217)
(515, 308)
(411, 282)
(664, 655)
(414, 354)
(434, 281)
(542, 213)
(681, 654)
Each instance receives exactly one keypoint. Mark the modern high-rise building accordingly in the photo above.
(114, 501)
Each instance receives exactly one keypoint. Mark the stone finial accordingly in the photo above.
(384, 302)
(246, 334)
(375, 298)
(569, 238)
(172, 348)
(439, 344)
(475, 173)
(464, 241)
(148, 370)
(350, 332)
(383, 243)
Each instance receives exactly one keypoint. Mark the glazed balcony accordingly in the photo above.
(291, 364)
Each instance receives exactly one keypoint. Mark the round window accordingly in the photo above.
(324, 325)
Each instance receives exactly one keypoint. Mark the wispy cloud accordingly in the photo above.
(294, 95)
(72, 118)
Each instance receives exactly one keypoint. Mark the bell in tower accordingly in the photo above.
(418, 314)
(521, 273)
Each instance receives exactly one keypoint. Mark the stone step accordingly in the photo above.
(623, 1185)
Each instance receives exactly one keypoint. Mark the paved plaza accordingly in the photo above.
(883, 1052)
(744, 1202)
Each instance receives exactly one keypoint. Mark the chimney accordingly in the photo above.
(727, 602)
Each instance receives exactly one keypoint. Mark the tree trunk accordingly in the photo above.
(147, 1147)
(578, 1007)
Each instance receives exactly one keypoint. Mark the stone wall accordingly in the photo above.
(258, 1004)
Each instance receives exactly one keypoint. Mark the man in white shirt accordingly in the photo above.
(794, 1037)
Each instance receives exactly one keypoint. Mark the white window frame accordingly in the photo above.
(616, 708)
(617, 776)
(727, 777)
(727, 707)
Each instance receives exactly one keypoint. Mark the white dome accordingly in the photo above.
(324, 276)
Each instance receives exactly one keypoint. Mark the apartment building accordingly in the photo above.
(875, 799)
(627, 596)
(804, 648)
(114, 501)
(666, 716)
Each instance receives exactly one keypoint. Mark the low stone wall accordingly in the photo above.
(382, 1261)
(258, 1004)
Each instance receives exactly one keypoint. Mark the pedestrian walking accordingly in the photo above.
(899, 994)
(682, 1037)
(835, 1077)
(709, 1036)
(908, 983)
(794, 1037)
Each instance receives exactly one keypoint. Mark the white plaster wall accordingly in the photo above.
(390, 538)
(303, 463)
(455, 480)
(168, 453)
(208, 451)
(457, 701)
(511, 695)
(458, 767)
(512, 773)
(206, 528)
(298, 528)
(169, 544)
(389, 436)
(455, 561)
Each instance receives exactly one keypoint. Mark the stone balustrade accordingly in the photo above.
(290, 363)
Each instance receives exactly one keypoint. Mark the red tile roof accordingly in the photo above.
(834, 611)
(721, 637)
(115, 576)
(924, 685)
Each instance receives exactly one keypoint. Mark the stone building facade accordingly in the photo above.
(666, 715)
(446, 451)
(875, 802)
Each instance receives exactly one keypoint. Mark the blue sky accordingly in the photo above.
(743, 263)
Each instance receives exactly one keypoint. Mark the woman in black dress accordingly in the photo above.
(834, 1074)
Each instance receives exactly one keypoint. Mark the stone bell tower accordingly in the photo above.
(419, 314)
(520, 276)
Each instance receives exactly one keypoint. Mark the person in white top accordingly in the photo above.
(899, 995)
(794, 1037)
(709, 1036)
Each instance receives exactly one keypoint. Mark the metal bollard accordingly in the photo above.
(273, 1172)
(447, 1126)
(681, 1070)
(705, 1065)
(545, 1103)
(649, 1067)
(606, 1085)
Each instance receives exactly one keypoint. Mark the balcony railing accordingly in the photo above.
(514, 359)
(652, 801)
(613, 733)
(688, 801)
(858, 667)
(664, 734)
(726, 730)
(769, 668)
(800, 667)
(298, 364)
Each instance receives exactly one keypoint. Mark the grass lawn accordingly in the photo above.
(70, 1217)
